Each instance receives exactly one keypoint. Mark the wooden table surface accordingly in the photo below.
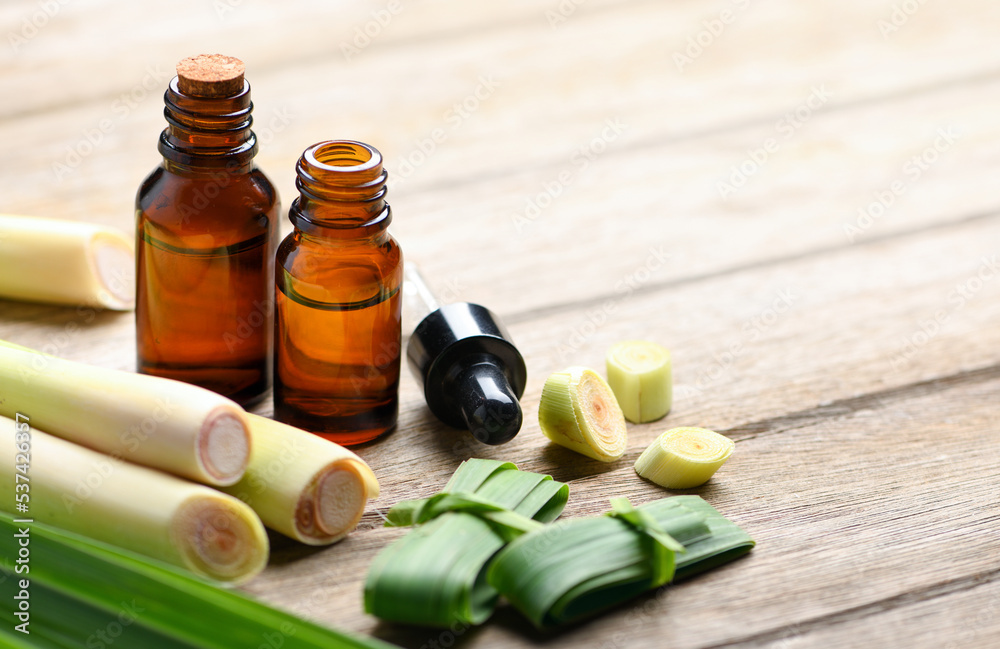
(801, 200)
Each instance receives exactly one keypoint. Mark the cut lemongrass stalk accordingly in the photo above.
(302, 485)
(177, 427)
(146, 511)
(579, 411)
(66, 262)
(639, 375)
(682, 458)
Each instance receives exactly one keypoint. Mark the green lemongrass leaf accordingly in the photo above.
(576, 568)
(509, 524)
(81, 588)
(664, 546)
(435, 575)
(404, 513)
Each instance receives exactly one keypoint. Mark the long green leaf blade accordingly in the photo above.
(79, 588)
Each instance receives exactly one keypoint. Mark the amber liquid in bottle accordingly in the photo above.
(337, 299)
(207, 229)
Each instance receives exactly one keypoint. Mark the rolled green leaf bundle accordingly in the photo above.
(578, 567)
(435, 575)
(85, 593)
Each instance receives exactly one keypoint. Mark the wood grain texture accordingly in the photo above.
(835, 314)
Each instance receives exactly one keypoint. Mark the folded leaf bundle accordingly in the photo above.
(435, 575)
(84, 593)
(575, 568)
(302, 485)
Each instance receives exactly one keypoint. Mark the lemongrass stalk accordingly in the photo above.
(302, 485)
(66, 262)
(579, 411)
(639, 375)
(682, 458)
(169, 425)
(79, 588)
(146, 511)
(435, 575)
(578, 567)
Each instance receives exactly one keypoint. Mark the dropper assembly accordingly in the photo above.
(463, 357)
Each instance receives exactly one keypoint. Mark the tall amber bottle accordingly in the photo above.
(206, 233)
(338, 280)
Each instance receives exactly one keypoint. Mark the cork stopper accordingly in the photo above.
(210, 75)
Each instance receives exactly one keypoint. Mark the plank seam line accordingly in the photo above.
(860, 612)
(428, 38)
(655, 287)
(709, 132)
(843, 408)
(839, 409)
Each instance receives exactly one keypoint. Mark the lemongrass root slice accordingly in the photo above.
(169, 425)
(66, 262)
(302, 485)
(139, 509)
(639, 375)
(682, 458)
(579, 411)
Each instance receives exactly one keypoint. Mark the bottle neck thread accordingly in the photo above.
(342, 186)
(208, 132)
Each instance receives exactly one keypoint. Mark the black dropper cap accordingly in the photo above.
(471, 373)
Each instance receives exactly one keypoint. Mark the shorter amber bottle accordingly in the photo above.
(338, 282)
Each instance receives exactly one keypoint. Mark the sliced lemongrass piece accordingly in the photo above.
(302, 485)
(177, 427)
(579, 411)
(682, 458)
(639, 375)
(66, 262)
(146, 511)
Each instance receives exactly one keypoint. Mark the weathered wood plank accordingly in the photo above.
(888, 491)
(733, 399)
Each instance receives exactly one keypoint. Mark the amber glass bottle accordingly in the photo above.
(206, 233)
(337, 317)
